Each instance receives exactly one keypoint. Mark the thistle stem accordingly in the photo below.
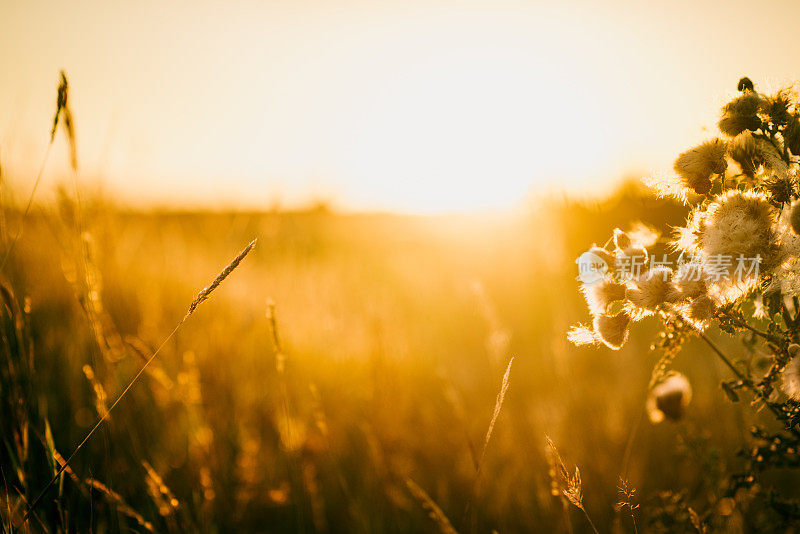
(753, 329)
(745, 381)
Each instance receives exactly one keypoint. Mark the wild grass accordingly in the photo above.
(363, 413)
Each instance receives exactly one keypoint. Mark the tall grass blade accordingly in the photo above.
(201, 297)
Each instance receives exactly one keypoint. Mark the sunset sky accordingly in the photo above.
(428, 106)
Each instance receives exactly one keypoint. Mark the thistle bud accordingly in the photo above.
(669, 398)
(600, 295)
(612, 329)
(689, 282)
(741, 114)
(702, 308)
(621, 239)
(651, 289)
(698, 164)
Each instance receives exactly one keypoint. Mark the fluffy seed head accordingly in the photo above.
(669, 398)
(612, 329)
(751, 153)
(651, 288)
(780, 188)
(702, 309)
(735, 124)
(689, 282)
(741, 114)
(742, 149)
(697, 165)
(599, 295)
(736, 224)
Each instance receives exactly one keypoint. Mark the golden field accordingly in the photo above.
(393, 336)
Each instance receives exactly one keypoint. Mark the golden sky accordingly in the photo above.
(416, 106)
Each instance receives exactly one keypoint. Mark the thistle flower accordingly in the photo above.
(669, 398)
(741, 114)
(651, 289)
(736, 225)
(742, 149)
(751, 153)
(791, 373)
(702, 309)
(776, 107)
(780, 188)
(599, 295)
(697, 165)
(688, 282)
(612, 330)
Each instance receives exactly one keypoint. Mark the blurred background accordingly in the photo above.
(420, 106)
(421, 177)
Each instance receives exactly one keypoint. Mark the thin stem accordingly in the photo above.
(626, 457)
(753, 329)
(745, 381)
(105, 415)
(589, 519)
(722, 356)
(28, 206)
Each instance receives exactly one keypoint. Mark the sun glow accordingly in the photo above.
(471, 129)
(414, 106)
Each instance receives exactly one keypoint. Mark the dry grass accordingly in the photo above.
(380, 384)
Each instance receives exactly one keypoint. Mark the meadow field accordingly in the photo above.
(480, 267)
(343, 377)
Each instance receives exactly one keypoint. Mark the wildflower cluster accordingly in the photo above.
(736, 266)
